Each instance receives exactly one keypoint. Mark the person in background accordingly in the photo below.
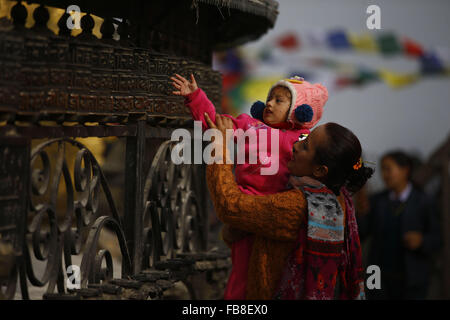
(403, 224)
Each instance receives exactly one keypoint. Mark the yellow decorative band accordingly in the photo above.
(294, 81)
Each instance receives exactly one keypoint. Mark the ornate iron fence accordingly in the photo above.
(110, 80)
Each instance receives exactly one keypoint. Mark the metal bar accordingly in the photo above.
(79, 131)
(446, 224)
(134, 178)
(15, 160)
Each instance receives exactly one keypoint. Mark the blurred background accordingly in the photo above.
(389, 86)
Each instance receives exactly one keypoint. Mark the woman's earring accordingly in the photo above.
(302, 137)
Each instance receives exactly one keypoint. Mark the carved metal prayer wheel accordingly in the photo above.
(78, 69)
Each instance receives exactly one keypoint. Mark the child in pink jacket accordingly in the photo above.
(292, 108)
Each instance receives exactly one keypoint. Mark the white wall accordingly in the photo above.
(415, 118)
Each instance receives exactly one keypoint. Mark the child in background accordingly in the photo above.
(292, 108)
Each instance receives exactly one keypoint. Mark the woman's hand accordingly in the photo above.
(183, 86)
(222, 124)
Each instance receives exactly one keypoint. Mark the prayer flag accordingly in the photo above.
(288, 41)
(431, 64)
(364, 42)
(388, 44)
(412, 48)
(396, 80)
(338, 40)
(316, 38)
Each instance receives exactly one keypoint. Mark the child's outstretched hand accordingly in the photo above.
(183, 86)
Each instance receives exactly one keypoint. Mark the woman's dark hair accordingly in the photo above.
(340, 153)
(401, 159)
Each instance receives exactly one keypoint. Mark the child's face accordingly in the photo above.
(277, 106)
(302, 162)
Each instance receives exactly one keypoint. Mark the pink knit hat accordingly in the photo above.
(304, 93)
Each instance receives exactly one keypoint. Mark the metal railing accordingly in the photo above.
(55, 204)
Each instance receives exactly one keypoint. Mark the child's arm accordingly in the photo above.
(198, 103)
(195, 98)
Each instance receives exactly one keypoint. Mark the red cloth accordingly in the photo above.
(240, 257)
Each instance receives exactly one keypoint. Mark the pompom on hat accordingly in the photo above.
(307, 102)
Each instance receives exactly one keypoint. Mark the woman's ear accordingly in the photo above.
(320, 171)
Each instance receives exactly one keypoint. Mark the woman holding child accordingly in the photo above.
(293, 255)
(304, 242)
